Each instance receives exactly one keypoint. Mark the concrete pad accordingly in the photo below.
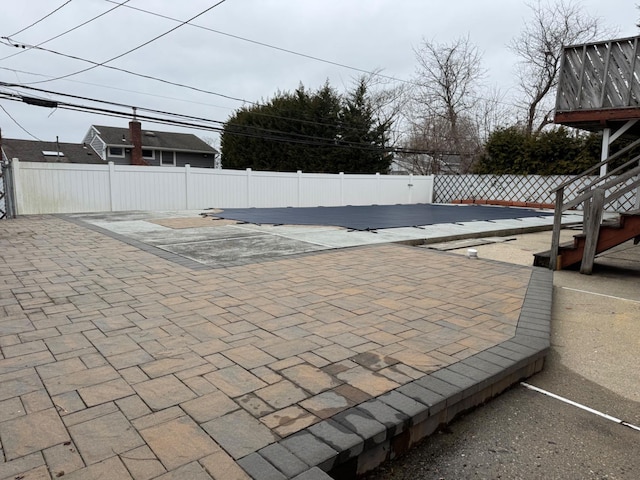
(240, 249)
(187, 235)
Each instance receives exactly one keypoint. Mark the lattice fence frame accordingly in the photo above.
(517, 188)
(3, 188)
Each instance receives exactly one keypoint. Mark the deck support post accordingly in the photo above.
(557, 225)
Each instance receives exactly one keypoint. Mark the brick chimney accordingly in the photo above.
(135, 134)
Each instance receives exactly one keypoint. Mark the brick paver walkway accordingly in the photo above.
(119, 363)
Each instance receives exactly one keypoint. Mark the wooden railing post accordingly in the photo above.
(592, 231)
(557, 225)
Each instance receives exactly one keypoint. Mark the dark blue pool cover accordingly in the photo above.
(374, 217)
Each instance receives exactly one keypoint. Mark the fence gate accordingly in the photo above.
(7, 201)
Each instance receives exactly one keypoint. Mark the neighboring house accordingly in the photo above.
(36, 151)
(123, 146)
(134, 146)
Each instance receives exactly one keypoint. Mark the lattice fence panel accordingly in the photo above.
(516, 188)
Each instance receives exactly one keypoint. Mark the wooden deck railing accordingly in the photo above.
(594, 196)
(601, 75)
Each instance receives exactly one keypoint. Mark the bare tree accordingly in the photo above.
(554, 24)
(449, 77)
(389, 100)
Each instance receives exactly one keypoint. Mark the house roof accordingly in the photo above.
(34, 151)
(113, 136)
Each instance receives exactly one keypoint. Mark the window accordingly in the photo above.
(148, 153)
(116, 152)
(168, 159)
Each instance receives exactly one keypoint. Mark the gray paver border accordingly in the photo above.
(393, 422)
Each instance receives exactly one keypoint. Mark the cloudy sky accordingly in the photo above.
(363, 34)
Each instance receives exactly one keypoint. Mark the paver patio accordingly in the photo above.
(115, 360)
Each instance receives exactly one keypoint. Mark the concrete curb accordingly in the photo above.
(361, 438)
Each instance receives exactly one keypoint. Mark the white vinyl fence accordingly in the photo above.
(75, 188)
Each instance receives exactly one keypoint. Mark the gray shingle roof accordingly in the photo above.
(31, 151)
(154, 139)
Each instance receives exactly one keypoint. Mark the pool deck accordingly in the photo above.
(148, 346)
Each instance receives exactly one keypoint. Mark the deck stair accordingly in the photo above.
(611, 234)
(597, 236)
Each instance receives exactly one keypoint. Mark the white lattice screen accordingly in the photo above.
(516, 188)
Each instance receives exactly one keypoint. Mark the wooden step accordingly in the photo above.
(611, 234)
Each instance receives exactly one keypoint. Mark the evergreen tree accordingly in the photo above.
(317, 131)
(552, 152)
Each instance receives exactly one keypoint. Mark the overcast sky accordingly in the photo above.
(365, 34)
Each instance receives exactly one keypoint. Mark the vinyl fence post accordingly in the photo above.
(248, 187)
(299, 188)
(187, 181)
(342, 189)
(112, 187)
(378, 188)
(410, 188)
(17, 187)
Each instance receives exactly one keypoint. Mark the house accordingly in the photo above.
(37, 151)
(123, 146)
(134, 146)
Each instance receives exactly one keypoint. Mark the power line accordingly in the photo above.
(264, 134)
(50, 103)
(111, 87)
(96, 64)
(189, 117)
(124, 70)
(67, 31)
(310, 122)
(267, 45)
(41, 19)
(144, 44)
(105, 102)
(18, 124)
(299, 54)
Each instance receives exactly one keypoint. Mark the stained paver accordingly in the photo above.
(120, 359)
(31, 433)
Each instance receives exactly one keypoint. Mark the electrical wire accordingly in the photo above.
(299, 136)
(310, 122)
(263, 134)
(67, 31)
(138, 47)
(124, 70)
(300, 54)
(267, 45)
(182, 23)
(41, 19)
(111, 87)
(47, 102)
(96, 64)
(18, 124)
